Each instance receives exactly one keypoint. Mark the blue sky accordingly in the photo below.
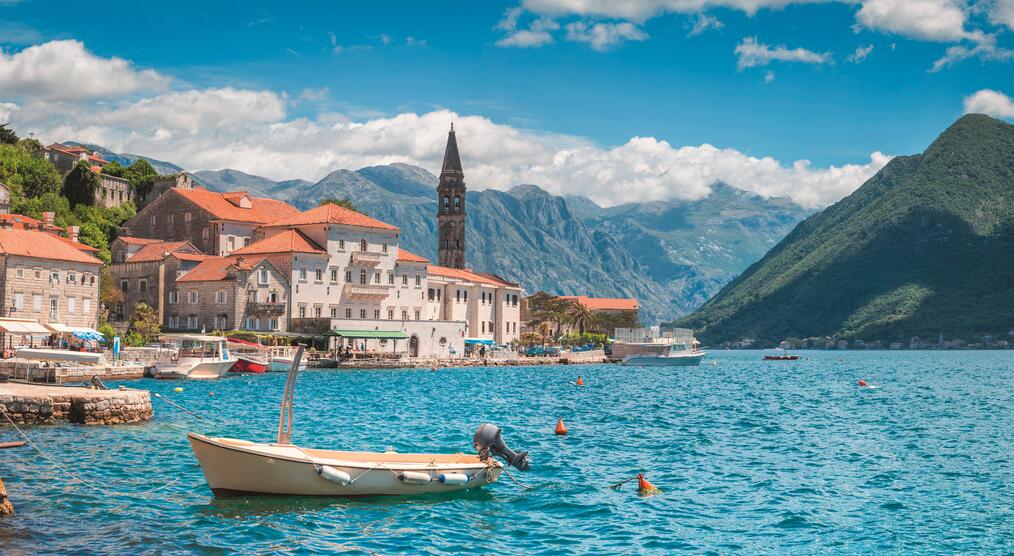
(554, 83)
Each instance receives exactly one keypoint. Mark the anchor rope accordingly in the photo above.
(57, 464)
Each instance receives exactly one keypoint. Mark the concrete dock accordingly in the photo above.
(33, 404)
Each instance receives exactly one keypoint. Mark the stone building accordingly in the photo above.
(180, 180)
(145, 270)
(215, 223)
(113, 191)
(46, 279)
(233, 292)
(451, 207)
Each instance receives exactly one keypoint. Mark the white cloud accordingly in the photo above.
(12, 32)
(252, 131)
(525, 38)
(984, 48)
(603, 36)
(1001, 12)
(538, 33)
(641, 10)
(702, 23)
(64, 70)
(752, 53)
(988, 101)
(860, 54)
(6, 110)
(769, 76)
(934, 20)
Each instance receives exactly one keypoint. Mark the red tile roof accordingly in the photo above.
(406, 256)
(25, 222)
(261, 210)
(332, 214)
(156, 251)
(137, 240)
(215, 269)
(289, 241)
(464, 274)
(604, 303)
(77, 245)
(41, 245)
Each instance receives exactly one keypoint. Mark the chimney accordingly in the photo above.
(239, 261)
(49, 218)
(72, 232)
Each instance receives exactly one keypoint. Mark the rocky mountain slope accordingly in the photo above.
(922, 248)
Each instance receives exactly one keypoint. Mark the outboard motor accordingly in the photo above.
(488, 441)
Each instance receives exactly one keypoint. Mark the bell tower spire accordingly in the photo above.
(451, 207)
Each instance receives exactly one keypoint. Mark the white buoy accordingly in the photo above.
(334, 475)
(453, 478)
(414, 477)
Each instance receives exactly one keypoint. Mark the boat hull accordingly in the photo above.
(282, 365)
(249, 365)
(689, 360)
(201, 370)
(237, 468)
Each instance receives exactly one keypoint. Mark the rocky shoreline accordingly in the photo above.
(29, 404)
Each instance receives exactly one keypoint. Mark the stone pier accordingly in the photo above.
(31, 404)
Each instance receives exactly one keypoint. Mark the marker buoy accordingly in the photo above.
(561, 429)
(580, 381)
(178, 389)
(862, 383)
(645, 488)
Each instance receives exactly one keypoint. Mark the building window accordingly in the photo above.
(36, 303)
(341, 244)
(174, 297)
(362, 313)
(153, 221)
(273, 324)
(54, 308)
(55, 277)
(262, 276)
(142, 285)
(430, 295)
(376, 314)
(390, 278)
(466, 296)
(438, 294)
(390, 313)
(362, 245)
(457, 204)
(220, 297)
(86, 306)
(249, 323)
(490, 327)
(404, 314)
(385, 248)
(483, 324)
(186, 217)
(376, 277)
(418, 280)
(362, 277)
(404, 280)
(192, 322)
(246, 241)
(124, 286)
(302, 275)
(316, 312)
(302, 311)
(348, 313)
(193, 297)
(447, 204)
(232, 243)
(334, 312)
(273, 297)
(334, 275)
(20, 273)
(71, 278)
(174, 321)
(71, 305)
(205, 233)
(457, 296)
(318, 275)
(418, 314)
(348, 276)
(19, 299)
(169, 219)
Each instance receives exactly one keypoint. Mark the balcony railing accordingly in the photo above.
(366, 257)
(367, 290)
(268, 309)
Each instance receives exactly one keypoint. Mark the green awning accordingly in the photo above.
(369, 334)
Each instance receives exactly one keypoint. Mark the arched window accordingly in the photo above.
(362, 245)
(362, 276)
(447, 204)
(457, 204)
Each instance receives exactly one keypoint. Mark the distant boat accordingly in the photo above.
(783, 356)
(193, 356)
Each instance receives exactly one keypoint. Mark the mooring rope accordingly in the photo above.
(3, 409)
(511, 477)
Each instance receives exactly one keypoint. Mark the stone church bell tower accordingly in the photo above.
(451, 207)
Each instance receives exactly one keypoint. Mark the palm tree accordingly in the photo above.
(579, 316)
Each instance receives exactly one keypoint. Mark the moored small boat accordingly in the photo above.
(783, 356)
(249, 364)
(193, 356)
(675, 355)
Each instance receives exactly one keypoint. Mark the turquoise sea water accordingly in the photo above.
(752, 457)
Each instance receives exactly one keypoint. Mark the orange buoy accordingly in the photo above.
(580, 381)
(863, 383)
(560, 427)
(645, 488)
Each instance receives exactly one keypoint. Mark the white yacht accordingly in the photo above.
(193, 356)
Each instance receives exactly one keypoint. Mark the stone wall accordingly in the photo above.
(75, 405)
(113, 191)
(171, 217)
(36, 279)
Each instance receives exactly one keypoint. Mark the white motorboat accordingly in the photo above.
(238, 467)
(280, 359)
(193, 356)
(671, 355)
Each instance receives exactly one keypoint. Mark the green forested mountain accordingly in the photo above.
(925, 247)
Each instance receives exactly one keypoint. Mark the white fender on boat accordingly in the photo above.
(414, 477)
(453, 478)
(334, 475)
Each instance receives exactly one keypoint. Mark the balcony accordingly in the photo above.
(366, 258)
(265, 309)
(367, 290)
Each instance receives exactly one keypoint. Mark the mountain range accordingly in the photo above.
(923, 248)
(670, 255)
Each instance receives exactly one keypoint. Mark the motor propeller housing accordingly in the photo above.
(488, 440)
